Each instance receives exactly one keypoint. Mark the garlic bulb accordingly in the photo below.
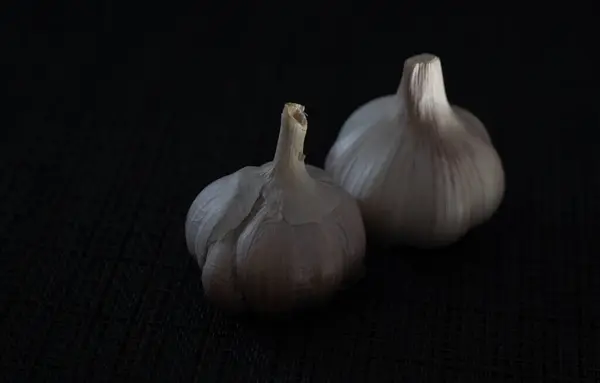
(424, 171)
(273, 237)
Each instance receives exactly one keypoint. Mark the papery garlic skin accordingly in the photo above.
(275, 237)
(424, 171)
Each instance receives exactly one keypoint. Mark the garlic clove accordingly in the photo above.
(274, 237)
(220, 208)
(265, 262)
(218, 277)
(424, 171)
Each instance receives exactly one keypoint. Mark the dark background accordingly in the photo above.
(120, 113)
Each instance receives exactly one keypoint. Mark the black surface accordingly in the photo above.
(123, 114)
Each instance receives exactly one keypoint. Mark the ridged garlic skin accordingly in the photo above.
(275, 237)
(424, 171)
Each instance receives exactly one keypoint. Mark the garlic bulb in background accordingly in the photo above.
(273, 237)
(424, 171)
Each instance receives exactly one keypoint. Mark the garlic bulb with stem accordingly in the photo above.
(424, 171)
(278, 236)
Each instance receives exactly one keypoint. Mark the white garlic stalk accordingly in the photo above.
(273, 237)
(424, 171)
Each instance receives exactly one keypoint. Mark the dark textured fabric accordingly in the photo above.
(123, 114)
